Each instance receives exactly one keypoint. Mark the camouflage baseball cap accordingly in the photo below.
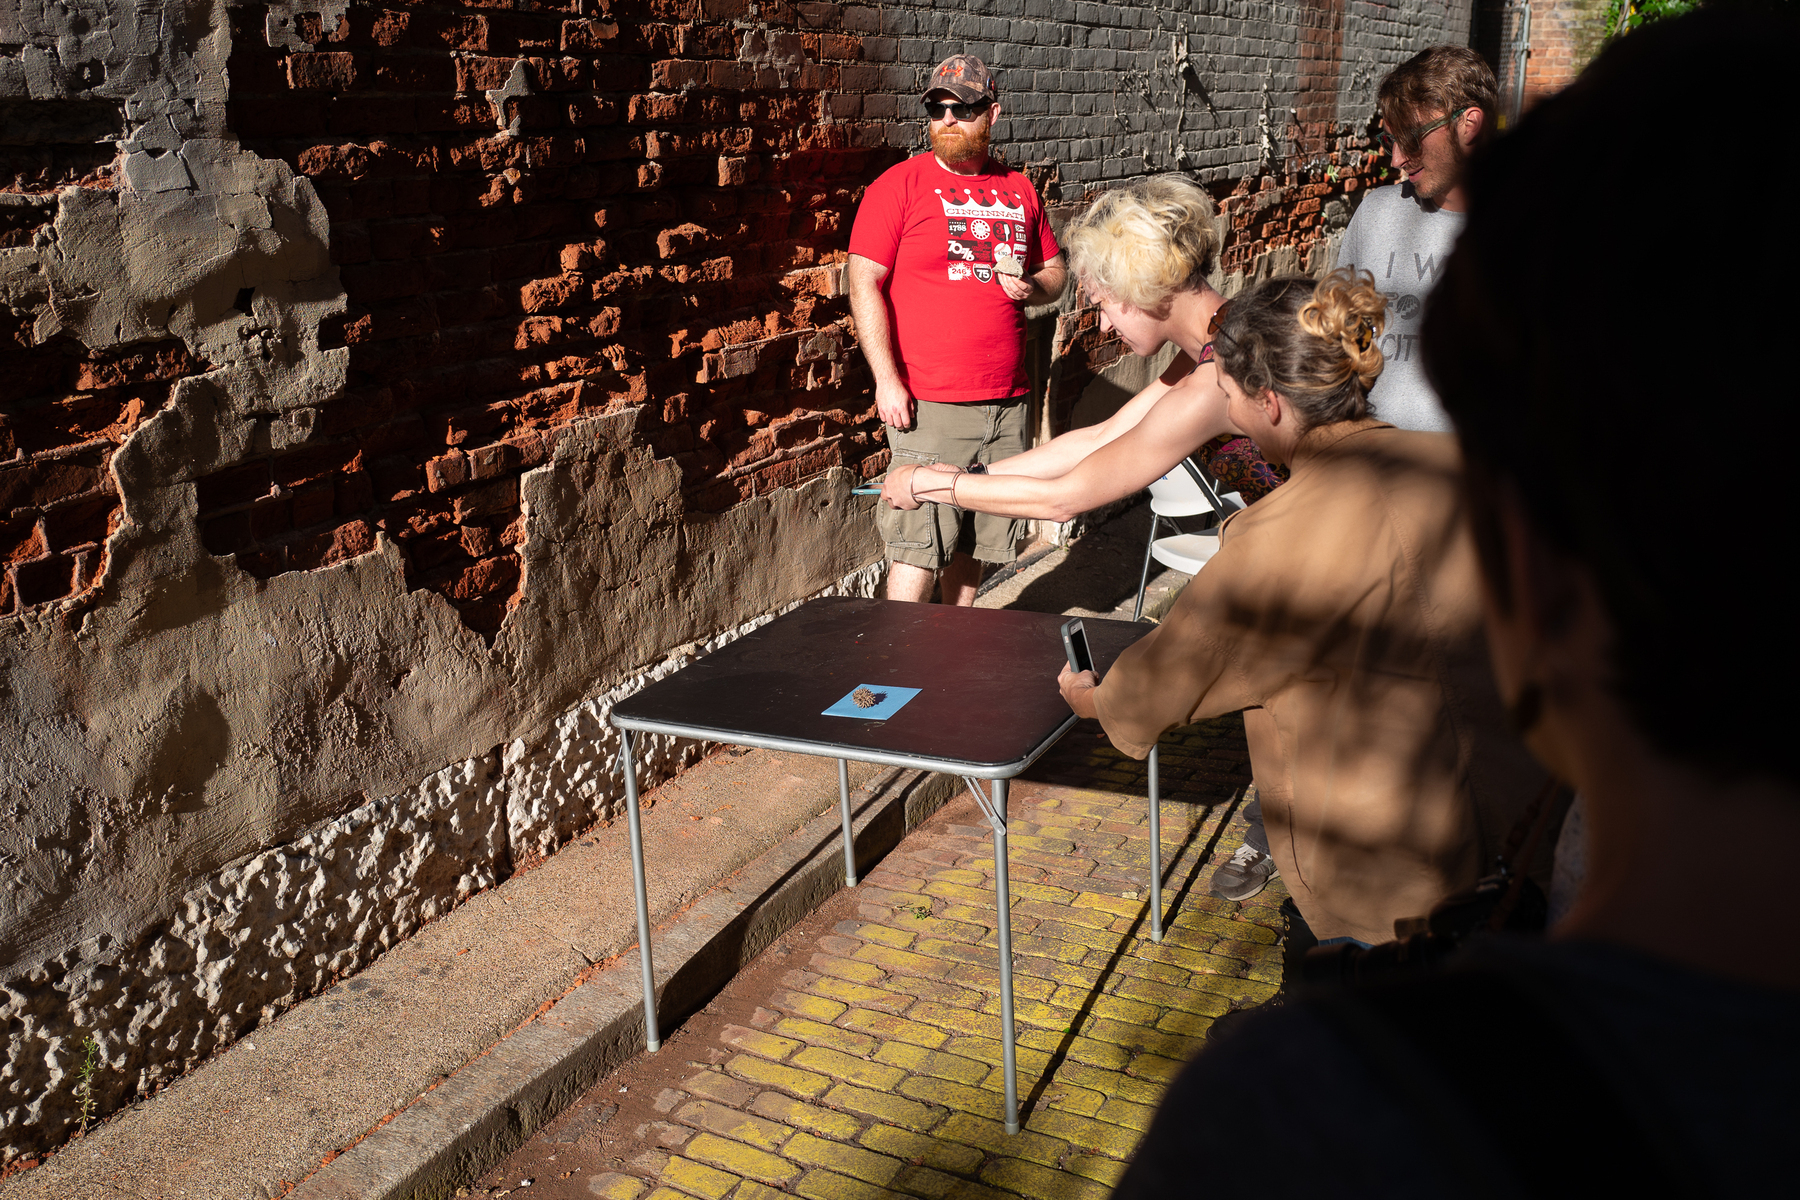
(965, 77)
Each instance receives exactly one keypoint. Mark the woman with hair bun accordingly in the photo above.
(1342, 614)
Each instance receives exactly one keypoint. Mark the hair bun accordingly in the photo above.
(1347, 310)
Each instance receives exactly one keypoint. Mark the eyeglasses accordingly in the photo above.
(1413, 138)
(936, 109)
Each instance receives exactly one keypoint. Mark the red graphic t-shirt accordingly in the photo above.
(958, 337)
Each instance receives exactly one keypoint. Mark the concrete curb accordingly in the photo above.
(456, 1131)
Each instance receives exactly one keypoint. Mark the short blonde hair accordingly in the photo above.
(1144, 242)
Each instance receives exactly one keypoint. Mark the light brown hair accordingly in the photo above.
(1435, 83)
(1314, 343)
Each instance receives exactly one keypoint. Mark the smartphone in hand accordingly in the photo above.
(1075, 643)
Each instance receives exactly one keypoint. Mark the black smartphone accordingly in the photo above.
(1075, 643)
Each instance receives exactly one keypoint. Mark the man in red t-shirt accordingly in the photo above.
(959, 244)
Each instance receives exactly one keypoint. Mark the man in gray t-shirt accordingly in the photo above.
(1436, 108)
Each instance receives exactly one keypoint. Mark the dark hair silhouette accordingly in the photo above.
(1603, 340)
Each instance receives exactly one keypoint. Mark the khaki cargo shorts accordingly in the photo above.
(961, 434)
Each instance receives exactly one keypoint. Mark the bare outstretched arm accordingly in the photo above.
(1085, 468)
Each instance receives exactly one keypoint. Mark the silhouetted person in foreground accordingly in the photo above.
(1649, 1045)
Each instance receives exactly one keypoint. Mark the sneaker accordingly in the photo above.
(1248, 872)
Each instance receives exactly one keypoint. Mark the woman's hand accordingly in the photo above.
(896, 489)
(1078, 690)
(904, 488)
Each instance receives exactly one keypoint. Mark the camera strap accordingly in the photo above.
(1517, 1102)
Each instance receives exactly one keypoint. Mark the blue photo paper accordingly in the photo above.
(888, 701)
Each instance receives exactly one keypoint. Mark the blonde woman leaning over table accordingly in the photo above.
(1142, 252)
(1342, 614)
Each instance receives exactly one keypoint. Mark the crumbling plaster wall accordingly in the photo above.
(393, 389)
(176, 713)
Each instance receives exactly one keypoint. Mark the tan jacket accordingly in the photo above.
(1343, 612)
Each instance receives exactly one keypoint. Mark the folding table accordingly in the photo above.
(987, 708)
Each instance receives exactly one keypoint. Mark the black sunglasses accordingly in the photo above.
(935, 109)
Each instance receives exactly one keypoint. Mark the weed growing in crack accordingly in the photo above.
(84, 1080)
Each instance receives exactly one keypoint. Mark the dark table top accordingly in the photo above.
(988, 703)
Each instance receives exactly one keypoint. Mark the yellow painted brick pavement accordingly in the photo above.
(876, 1067)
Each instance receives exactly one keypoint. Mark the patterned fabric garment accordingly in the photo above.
(1235, 463)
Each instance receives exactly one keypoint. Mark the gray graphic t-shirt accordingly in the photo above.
(1393, 238)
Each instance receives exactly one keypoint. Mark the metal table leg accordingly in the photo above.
(1156, 930)
(995, 811)
(652, 1039)
(844, 815)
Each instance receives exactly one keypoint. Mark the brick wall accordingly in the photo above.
(1565, 36)
(573, 384)
(68, 411)
(539, 216)
(548, 213)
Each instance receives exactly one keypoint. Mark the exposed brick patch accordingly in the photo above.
(58, 499)
(1565, 36)
(21, 217)
(654, 224)
(548, 212)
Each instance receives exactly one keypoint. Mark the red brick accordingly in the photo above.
(314, 505)
(271, 518)
(163, 362)
(447, 471)
(264, 563)
(478, 541)
(362, 115)
(531, 449)
(490, 578)
(592, 110)
(90, 561)
(226, 535)
(453, 32)
(490, 462)
(332, 71)
(355, 493)
(475, 73)
(84, 522)
(21, 539)
(349, 243)
(673, 75)
(495, 499)
(346, 162)
(312, 462)
(552, 293)
(333, 546)
(730, 76)
(45, 580)
(589, 35)
(386, 28)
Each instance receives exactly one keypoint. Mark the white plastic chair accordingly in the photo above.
(1184, 492)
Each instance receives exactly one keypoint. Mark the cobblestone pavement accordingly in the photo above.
(860, 1055)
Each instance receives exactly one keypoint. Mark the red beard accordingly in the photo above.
(955, 147)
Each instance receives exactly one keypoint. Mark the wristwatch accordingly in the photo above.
(976, 468)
